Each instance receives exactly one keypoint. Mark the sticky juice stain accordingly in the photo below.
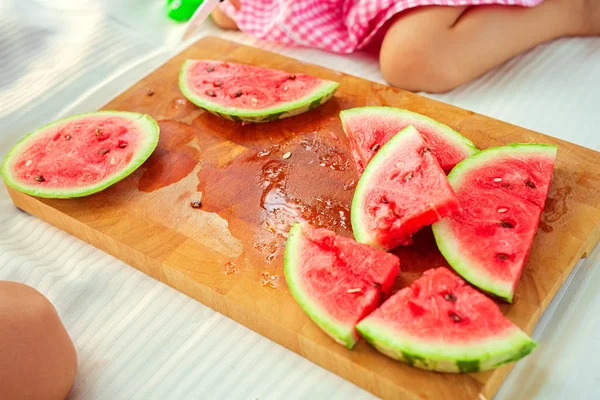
(231, 268)
(268, 280)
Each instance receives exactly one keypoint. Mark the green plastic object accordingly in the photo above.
(182, 10)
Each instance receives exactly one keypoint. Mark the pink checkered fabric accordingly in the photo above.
(340, 26)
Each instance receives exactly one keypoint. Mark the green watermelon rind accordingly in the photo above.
(342, 333)
(447, 243)
(317, 97)
(148, 126)
(444, 130)
(361, 233)
(441, 356)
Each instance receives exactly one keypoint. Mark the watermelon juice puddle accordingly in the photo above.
(283, 207)
(248, 178)
(555, 207)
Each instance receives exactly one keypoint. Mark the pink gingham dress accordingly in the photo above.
(340, 26)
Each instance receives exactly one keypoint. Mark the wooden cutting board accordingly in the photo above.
(228, 254)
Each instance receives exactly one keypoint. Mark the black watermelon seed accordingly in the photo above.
(292, 77)
(238, 93)
(506, 224)
(218, 83)
(502, 256)
(455, 317)
(530, 184)
(210, 68)
(376, 285)
(196, 204)
(211, 93)
(103, 151)
(68, 137)
(384, 200)
(39, 178)
(122, 145)
(408, 177)
(450, 297)
(375, 147)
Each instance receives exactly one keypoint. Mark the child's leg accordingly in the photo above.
(438, 48)
(37, 357)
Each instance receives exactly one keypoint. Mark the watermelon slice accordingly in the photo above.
(402, 189)
(241, 92)
(369, 128)
(440, 323)
(502, 192)
(336, 281)
(80, 155)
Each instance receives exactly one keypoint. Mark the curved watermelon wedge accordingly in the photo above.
(440, 323)
(336, 281)
(80, 155)
(369, 128)
(241, 92)
(502, 192)
(402, 190)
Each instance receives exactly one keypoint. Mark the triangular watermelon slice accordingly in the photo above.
(502, 192)
(241, 92)
(402, 190)
(440, 323)
(336, 281)
(369, 128)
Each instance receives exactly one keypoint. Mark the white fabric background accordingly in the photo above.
(139, 339)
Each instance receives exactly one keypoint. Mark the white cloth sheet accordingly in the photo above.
(139, 339)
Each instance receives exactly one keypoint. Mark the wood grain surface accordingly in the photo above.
(229, 253)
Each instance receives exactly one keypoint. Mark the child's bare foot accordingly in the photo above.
(222, 20)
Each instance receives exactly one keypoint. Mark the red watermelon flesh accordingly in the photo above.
(441, 323)
(503, 241)
(402, 190)
(527, 178)
(80, 155)
(97, 148)
(335, 280)
(369, 128)
(244, 92)
(502, 192)
(254, 83)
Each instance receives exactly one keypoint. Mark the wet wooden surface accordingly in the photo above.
(228, 254)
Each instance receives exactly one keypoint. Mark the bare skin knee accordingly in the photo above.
(37, 357)
(413, 56)
(412, 66)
